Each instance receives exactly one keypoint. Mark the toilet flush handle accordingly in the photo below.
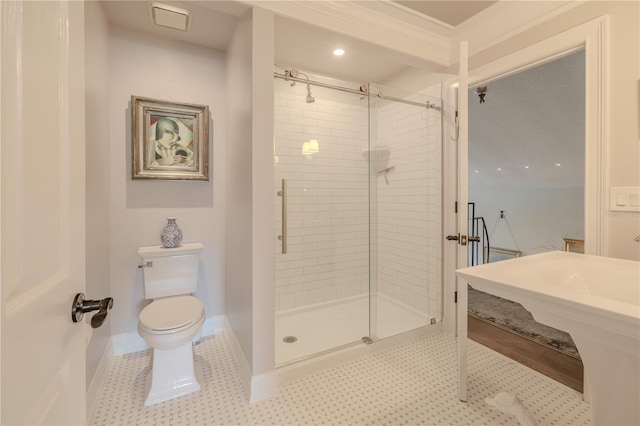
(80, 306)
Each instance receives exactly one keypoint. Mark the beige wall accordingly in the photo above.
(158, 68)
(623, 74)
(250, 265)
(98, 276)
(239, 295)
(263, 196)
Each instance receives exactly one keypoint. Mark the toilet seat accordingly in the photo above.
(171, 315)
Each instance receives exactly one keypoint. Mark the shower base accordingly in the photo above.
(322, 327)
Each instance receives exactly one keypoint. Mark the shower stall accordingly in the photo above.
(359, 213)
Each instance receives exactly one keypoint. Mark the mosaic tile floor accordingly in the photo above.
(413, 383)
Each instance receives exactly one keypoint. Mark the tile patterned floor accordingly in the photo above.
(413, 383)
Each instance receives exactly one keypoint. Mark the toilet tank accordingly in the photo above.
(170, 271)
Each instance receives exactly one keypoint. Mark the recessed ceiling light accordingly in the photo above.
(338, 52)
(558, 164)
(477, 171)
(526, 167)
(167, 16)
(499, 169)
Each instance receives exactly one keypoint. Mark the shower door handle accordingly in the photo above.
(283, 236)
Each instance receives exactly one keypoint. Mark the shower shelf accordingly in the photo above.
(380, 154)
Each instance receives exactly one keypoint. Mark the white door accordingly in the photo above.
(462, 217)
(42, 215)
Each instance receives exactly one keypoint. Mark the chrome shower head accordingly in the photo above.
(310, 99)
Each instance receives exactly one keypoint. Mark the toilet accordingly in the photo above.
(172, 321)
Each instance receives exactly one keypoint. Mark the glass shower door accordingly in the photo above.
(406, 206)
(322, 210)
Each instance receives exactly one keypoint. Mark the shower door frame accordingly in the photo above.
(372, 175)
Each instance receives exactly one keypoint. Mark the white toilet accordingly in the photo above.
(172, 320)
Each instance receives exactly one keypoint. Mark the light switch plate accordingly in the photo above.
(625, 199)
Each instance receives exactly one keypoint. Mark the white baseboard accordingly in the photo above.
(264, 386)
(127, 343)
(256, 388)
(99, 380)
(241, 361)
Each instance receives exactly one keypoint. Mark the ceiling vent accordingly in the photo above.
(167, 16)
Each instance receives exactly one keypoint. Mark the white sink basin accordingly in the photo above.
(596, 300)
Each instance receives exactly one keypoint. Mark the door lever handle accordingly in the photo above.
(80, 306)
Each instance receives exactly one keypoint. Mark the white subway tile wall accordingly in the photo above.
(409, 204)
(328, 203)
(328, 199)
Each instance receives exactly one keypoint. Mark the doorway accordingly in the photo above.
(526, 183)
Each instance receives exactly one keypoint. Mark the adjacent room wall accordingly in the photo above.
(158, 68)
(531, 126)
(536, 219)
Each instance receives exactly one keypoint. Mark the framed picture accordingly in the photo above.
(573, 245)
(496, 254)
(169, 140)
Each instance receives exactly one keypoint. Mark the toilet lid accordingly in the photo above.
(173, 312)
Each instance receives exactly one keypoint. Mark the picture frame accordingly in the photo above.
(497, 254)
(169, 140)
(573, 245)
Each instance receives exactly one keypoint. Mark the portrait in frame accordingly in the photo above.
(170, 141)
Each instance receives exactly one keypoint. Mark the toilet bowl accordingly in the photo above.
(169, 325)
(171, 321)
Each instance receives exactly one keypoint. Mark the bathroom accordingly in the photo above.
(232, 214)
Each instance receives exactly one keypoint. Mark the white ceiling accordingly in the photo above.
(311, 49)
(498, 136)
(212, 23)
(304, 46)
